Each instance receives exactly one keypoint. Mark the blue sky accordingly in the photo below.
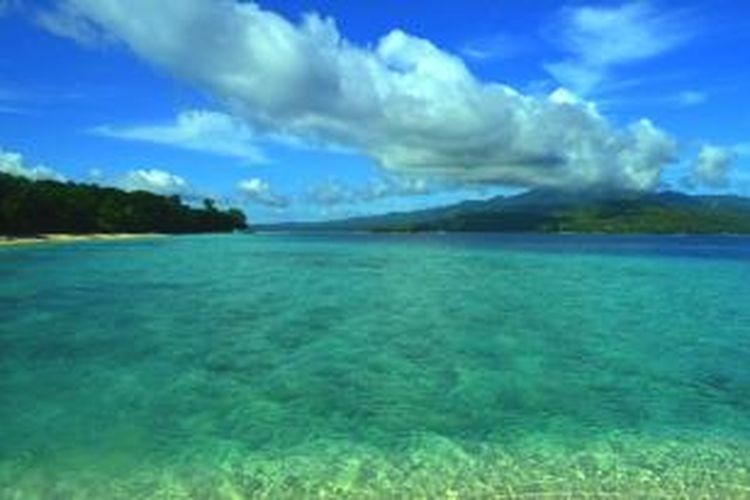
(372, 106)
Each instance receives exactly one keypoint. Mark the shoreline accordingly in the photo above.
(6, 241)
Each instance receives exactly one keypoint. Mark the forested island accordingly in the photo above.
(549, 211)
(48, 207)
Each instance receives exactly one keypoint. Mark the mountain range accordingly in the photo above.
(547, 211)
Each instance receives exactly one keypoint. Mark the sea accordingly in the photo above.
(376, 366)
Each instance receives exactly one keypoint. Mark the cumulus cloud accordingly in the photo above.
(404, 102)
(332, 192)
(154, 181)
(14, 164)
(598, 39)
(711, 168)
(259, 191)
(197, 130)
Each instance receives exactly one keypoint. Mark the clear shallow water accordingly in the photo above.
(376, 366)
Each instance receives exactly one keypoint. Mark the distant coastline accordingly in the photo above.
(7, 241)
(558, 212)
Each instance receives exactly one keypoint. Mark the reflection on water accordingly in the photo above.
(375, 366)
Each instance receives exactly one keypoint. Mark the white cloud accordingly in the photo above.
(95, 175)
(151, 180)
(67, 22)
(689, 98)
(196, 130)
(711, 168)
(259, 191)
(498, 46)
(154, 181)
(598, 39)
(412, 107)
(332, 192)
(387, 187)
(14, 164)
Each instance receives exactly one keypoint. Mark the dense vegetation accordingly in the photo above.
(36, 207)
(557, 212)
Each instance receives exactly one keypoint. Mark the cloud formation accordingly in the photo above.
(151, 180)
(332, 192)
(154, 181)
(14, 164)
(711, 167)
(497, 46)
(65, 21)
(688, 98)
(599, 39)
(195, 130)
(404, 102)
(259, 191)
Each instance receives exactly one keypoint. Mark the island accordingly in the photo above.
(29, 208)
(560, 211)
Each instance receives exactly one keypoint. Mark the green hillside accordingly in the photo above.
(556, 212)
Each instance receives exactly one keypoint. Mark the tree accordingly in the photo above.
(28, 207)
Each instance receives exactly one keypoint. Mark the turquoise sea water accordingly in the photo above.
(362, 366)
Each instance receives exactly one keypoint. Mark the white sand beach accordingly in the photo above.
(71, 238)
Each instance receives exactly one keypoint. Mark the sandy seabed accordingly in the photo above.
(340, 367)
(618, 467)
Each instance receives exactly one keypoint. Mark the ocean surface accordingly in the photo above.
(376, 366)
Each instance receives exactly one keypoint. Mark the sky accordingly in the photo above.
(309, 110)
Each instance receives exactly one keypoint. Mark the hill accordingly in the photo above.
(547, 211)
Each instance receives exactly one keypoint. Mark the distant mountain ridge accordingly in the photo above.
(547, 211)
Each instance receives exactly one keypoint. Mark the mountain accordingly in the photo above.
(561, 211)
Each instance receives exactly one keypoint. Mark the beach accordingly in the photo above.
(72, 238)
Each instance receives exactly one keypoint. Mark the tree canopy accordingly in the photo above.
(38, 207)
